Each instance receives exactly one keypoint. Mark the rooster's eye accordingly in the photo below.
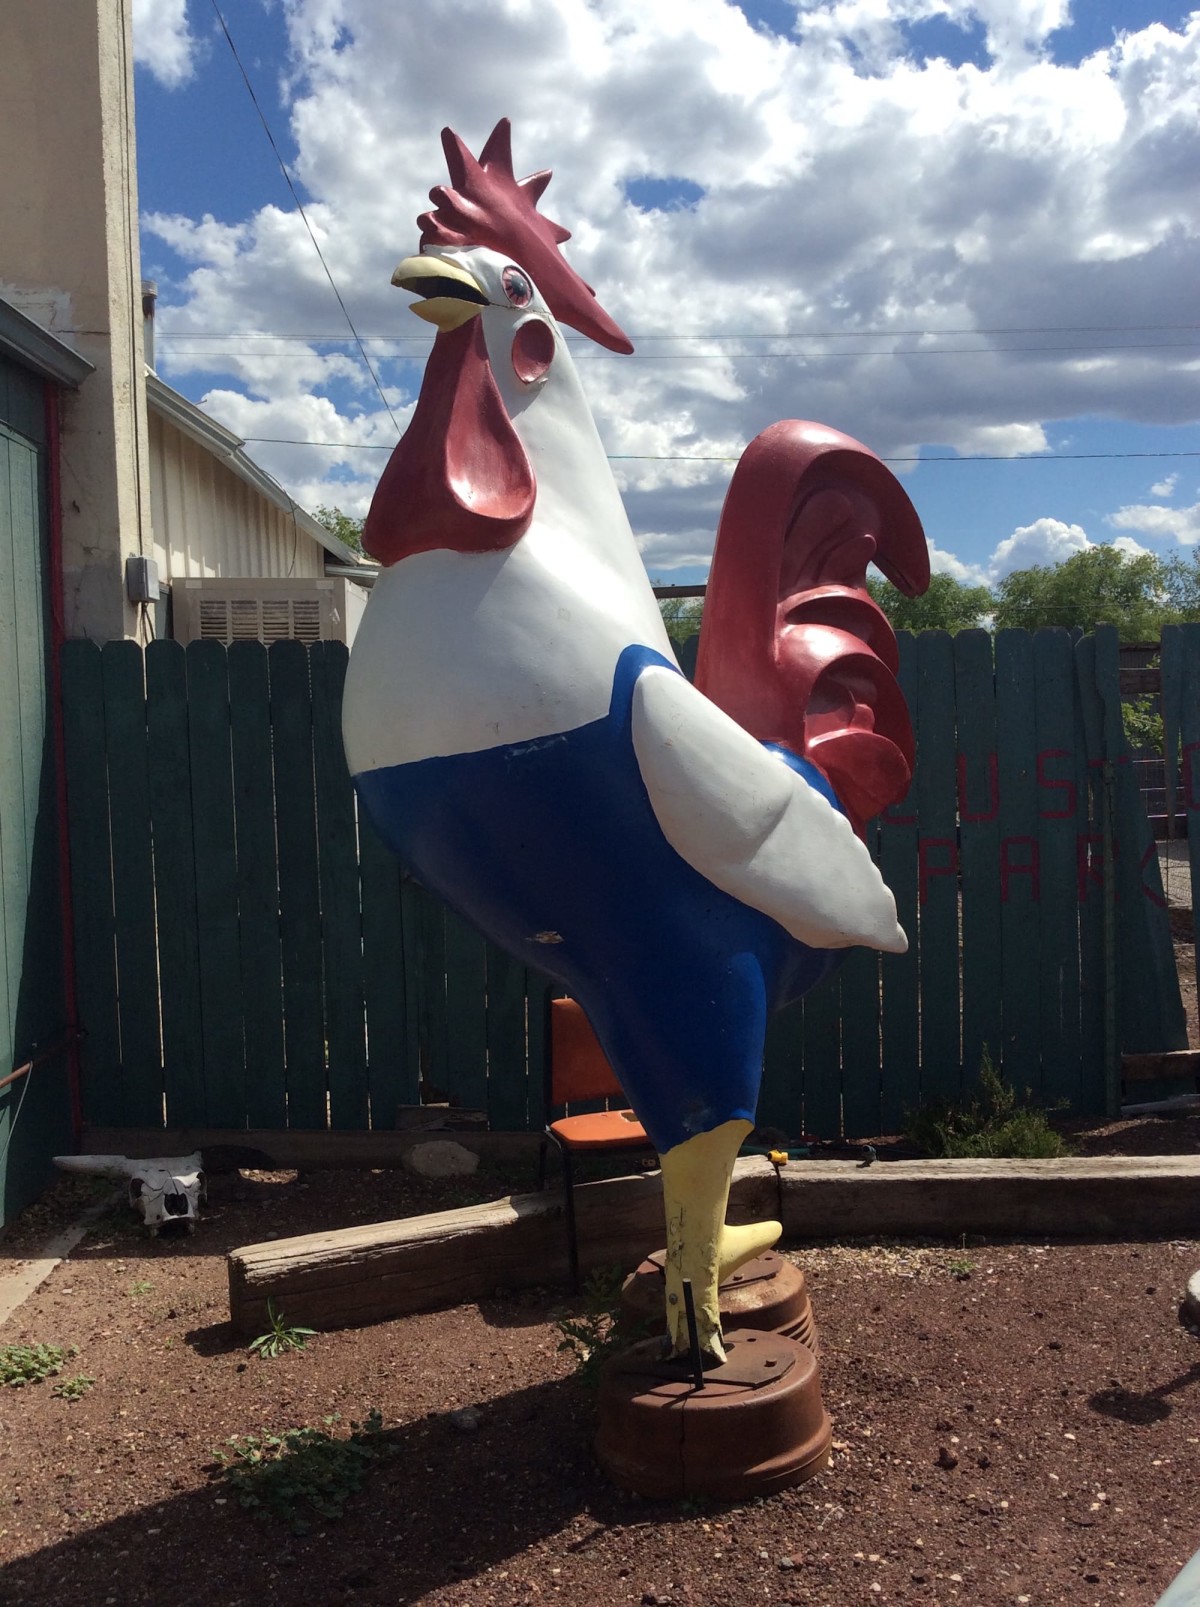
(516, 287)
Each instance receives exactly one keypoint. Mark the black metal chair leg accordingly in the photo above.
(569, 1213)
(541, 1172)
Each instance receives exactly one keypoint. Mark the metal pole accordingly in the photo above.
(689, 1309)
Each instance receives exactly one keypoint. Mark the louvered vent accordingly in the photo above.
(214, 618)
(260, 610)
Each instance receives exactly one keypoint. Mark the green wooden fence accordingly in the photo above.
(250, 957)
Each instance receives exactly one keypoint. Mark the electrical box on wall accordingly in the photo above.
(141, 579)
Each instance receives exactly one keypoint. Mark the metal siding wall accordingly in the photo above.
(210, 522)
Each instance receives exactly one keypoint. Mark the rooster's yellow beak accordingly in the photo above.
(450, 295)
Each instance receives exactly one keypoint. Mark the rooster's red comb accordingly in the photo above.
(486, 205)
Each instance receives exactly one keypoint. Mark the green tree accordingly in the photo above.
(681, 616)
(1181, 584)
(347, 529)
(948, 605)
(1099, 586)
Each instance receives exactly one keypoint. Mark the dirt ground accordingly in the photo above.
(1013, 1423)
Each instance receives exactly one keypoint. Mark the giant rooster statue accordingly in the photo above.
(682, 859)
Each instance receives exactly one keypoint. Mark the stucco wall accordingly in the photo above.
(69, 258)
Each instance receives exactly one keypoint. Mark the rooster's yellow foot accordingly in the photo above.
(701, 1247)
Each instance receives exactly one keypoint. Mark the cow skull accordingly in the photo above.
(165, 1189)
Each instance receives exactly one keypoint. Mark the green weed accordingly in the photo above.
(995, 1123)
(596, 1335)
(280, 1336)
(303, 1470)
(73, 1389)
(30, 1364)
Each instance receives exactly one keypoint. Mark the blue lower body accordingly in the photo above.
(552, 849)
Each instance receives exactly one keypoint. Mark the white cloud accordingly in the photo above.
(1130, 547)
(163, 42)
(1001, 440)
(945, 563)
(850, 193)
(1045, 541)
(1165, 487)
(1179, 524)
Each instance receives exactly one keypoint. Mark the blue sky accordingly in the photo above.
(958, 229)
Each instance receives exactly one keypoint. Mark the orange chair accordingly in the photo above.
(577, 1070)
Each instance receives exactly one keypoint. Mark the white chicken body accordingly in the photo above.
(460, 652)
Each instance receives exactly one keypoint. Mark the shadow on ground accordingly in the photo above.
(439, 1508)
(1142, 1406)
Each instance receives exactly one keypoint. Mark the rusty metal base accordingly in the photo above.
(758, 1424)
(768, 1293)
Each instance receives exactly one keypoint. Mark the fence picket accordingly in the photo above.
(431, 993)
(170, 774)
(299, 884)
(466, 1019)
(1150, 1008)
(341, 921)
(383, 973)
(1019, 867)
(938, 868)
(91, 884)
(861, 1056)
(538, 989)
(507, 1077)
(899, 973)
(979, 837)
(1058, 777)
(221, 1008)
(1181, 728)
(123, 671)
(781, 1100)
(1089, 872)
(258, 885)
(821, 1036)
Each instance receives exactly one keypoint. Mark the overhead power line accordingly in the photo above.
(756, 334)
(717, 457)
(795, 356)
(304, 215)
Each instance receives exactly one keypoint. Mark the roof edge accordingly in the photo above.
(24, 339)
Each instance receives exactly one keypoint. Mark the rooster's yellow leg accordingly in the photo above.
(700, 1245)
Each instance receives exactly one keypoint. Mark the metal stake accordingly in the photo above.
(689, 1310)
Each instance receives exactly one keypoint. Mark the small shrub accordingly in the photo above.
(304, 1469)
(30, 1364)
(73, 1389)
(995, 1124)
(280, 1336)
(596, 1335)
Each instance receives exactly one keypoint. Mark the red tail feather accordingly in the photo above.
(792, 645)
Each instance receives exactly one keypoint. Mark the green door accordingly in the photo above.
(34, 1109)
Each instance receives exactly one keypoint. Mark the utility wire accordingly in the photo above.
(786, 334)
(716, 457)
(585, 356)
(303, 215)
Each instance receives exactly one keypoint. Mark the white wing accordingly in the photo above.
(746, 821)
